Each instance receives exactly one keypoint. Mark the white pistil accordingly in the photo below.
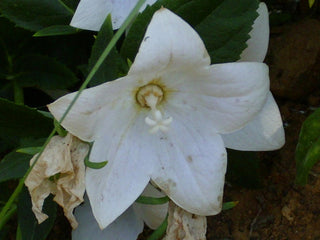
(158, 123)
(150, 96)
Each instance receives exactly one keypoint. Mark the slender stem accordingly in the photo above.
(105, 53)
(66, 7)
(160, 231)
(152, 200)
(9, 214)
(18, 234)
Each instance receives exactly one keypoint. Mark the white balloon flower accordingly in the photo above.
(164, 121)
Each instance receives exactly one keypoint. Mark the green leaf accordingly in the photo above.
(202, 7)
(12, 36)
(94, 165)
(43, 72)
(308, 147)
(226, 30)
(72, 4)
(13, 166)
(56, 30)
(311, 2)
(29, 150)
(243, 169)
(18, 121)
(30, 229)
(35, 14)
(229, 205)
(152, 200)
(113, 66)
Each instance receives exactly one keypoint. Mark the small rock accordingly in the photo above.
(287, 213)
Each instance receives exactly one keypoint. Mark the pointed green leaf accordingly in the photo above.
(43, 72)
(18, 121)
(226, 30)
(56, 30)
(29, 150)
(13, 166)
(35, 14)
(229, 205)
(308, 147)
(311, 2)
(202, 7)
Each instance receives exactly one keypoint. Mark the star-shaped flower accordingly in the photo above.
(90, 14)
(163, 121)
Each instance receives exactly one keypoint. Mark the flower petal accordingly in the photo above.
(126, 227)
(227, 96)
(192, 166)
(121, 10)
(96, 108)
(152, 215)
(115, 187)
(90, 14)
(265, 132)
(169, 42)
(259, 37)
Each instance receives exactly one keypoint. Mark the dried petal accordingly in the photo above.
(60, 170)
(184, 225)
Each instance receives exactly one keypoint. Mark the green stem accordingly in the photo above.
(66, 7)
(9, 214)
(19, 234)
(103, 56)
(18, 93)
(152, 200)
(160, 231)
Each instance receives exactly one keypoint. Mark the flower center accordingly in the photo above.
(150, 96)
